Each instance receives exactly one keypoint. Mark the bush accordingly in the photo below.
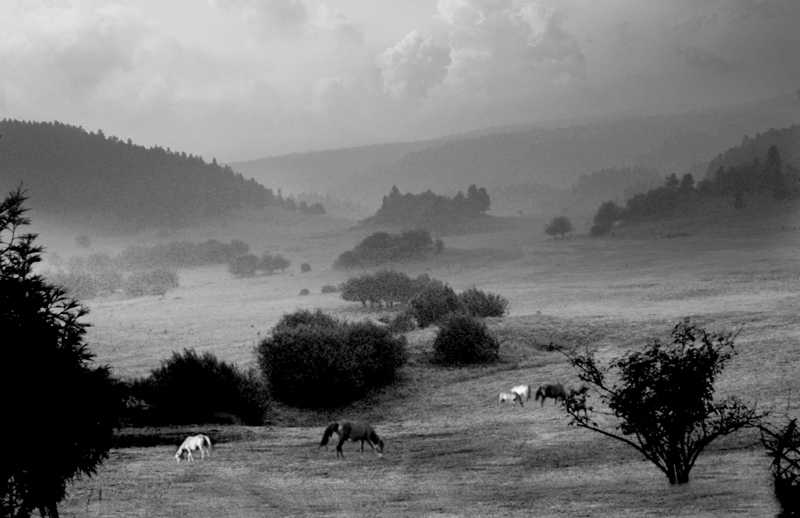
(269, 263)
(305, 268)
(382, 247)
(304, 292)
(433, 303)
(329, 288)
(463, 340)
(313, 360)
(481, 304)
(558, 225)
(193, 389)
(782, 443)
(402, 323)
(244, 265)
(150, 282)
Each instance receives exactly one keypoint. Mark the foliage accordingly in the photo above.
(607, 214)
(463, 339)
(312, 360)
(268, 263)
(482, 304)
(244, 265)
(383, 288)
(663, 400)
(783, 447)
(53, 385)
(305, 268)
(304, 292)
(382, 247)
(150, 282)
(738, 201)
(329, 288)
(402, 322)
(133, 186)
(434, 303)
(430, 209)
(558, 225)
(193, 389)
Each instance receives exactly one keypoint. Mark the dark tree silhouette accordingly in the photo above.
(663, 402)
(59, 411)
(558, 225)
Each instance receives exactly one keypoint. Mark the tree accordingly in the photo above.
(608, 214)
(558, 225)
(664, 400)
(55, 397)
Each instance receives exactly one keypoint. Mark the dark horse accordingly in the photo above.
(553, 390)
(355, 431)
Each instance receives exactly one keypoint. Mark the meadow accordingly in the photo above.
(451, 450)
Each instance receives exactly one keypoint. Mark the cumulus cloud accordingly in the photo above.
(413, 66)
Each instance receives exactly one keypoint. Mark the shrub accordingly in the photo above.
(462, 340)
(386, 287)
(329, 288)
(79, 285)
(304, 291)
(150, 282)
(382, 247)
(558, 225)
(269, 263)
(313, 360)
(599, 230)
(192, 389)
(305, 268)
(783, 447)
(482, 304)
(402, 323)
(244, 265)
(434, 303)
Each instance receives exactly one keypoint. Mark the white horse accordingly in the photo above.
(193, 443)
(509, 396)
(524, 391)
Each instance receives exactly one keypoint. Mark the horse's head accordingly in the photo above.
(380, 447)
(179, 454)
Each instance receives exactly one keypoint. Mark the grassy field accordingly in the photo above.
(451, 450)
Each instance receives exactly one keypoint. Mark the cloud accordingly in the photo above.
(704, 60)
(413, 66)
(281, 16)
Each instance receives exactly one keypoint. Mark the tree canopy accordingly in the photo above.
(59, 409)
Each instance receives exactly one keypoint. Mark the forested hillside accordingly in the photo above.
(69, 171)
(787, 140)
(555, 155)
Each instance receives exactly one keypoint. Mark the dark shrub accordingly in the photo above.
(599, 230)
(482, 304)
(558, 225)
(382, 247)
(327, 363)
(269, 263)
(434, 303)
(463, 340)
(329, 288)
(305, 268)
(80, 285)
(782, 443)
(304, 291)
(192, 389)
(244, 265)
(384, 288)
(150, 282)
(402, 323)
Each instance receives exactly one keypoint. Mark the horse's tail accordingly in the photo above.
(207, 442)
(330, 430)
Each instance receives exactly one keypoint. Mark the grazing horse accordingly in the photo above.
(524, 392)
(354, 431)
(553, 390)
(509, 396)
(193, 443)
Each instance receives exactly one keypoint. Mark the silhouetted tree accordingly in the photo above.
(558, 225)
(662, 398)
(59, 411)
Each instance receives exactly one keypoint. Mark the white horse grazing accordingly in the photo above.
(524, 391)
(509, 396)
(193, 443)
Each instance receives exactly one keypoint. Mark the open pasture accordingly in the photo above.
(451, 450)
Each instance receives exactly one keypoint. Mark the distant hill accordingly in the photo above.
(787, 140)
(71, 172)
(553, 156)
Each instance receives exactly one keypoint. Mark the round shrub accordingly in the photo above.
(304, 292)
(462, 340)
(324, 365)
(402, 323)
(244, 265)
(330, 288)
(482, 304)
(433, 303)
(192, 389)
(305, 268)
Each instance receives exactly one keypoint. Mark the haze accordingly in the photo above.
(243, 79)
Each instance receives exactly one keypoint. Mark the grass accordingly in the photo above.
(451, 450)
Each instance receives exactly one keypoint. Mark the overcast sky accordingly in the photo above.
(244, 79)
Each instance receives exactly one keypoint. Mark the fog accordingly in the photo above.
(245, 79)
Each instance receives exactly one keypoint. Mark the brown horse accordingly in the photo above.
(354, 431)
(553, 390)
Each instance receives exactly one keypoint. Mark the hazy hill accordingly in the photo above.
(68, 171)
(786, 139)
(557, 156)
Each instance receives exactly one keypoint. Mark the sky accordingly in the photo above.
(245, 79)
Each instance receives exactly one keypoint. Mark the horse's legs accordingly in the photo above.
(342, 439)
